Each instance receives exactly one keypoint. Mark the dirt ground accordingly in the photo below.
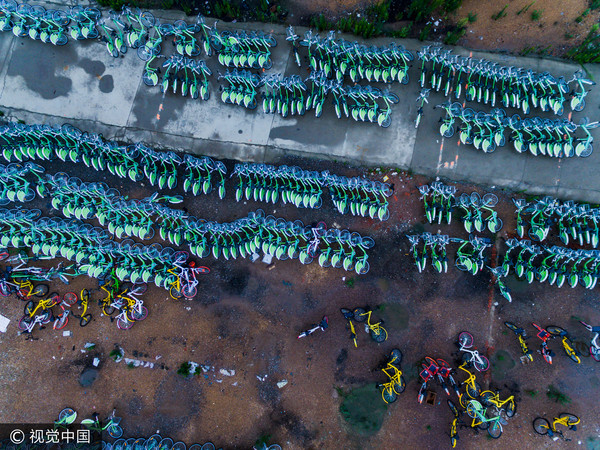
(247, 317)
(554, 33)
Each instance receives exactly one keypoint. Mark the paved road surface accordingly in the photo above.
(81, 84)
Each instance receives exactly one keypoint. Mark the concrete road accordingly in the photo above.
(80, 83)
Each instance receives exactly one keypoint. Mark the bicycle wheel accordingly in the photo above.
(485, 398)
(399, 386)
(495, 430)
(40, 290)
(395, 357)
(482, 365)
(465, 339)
(208, 446)
(70, 298)
(29, 307)
(490, 200)
(379, 334)
(139, 315)
(572, 419)
(360, 315)
(84, 320)
(541, 425)
(67, 415)
(24, 322)
(189, 291)
(388, 394)
(153, 441)
(555, 331)
(511, 409)
(473, 391)
(147, 19)
(115, 431)
(175, 293)
(124, 324)
(61, 322)
(471, 410)
(178, 446)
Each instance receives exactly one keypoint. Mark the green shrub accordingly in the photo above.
(525, 8)
(453, 36)
(402, 32)
(184, 369)
(589, 50)
(536, 14)
(594, 4)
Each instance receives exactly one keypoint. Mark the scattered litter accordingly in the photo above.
(187, 308)
(394, 173)
(271, 266)
(89, 345)
(282, 383)
(67, 333)
(343, 278)
(4, 321)
(386, 178)
(235, 384)
(96, 362)
(205, 368)
(219, 381)
(254, 257)
(262, 378)
(267, 259)
(138, 363)
(158, 357)
(54, 357)
(227, 373)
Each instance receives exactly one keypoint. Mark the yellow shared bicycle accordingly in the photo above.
(396, 384)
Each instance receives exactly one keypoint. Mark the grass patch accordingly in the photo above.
(403, 32)
(424, 34)
(130, 366)
(557, 396)
(472, 18)
(364, 410)
(500, 14)
(536, 15)
(568, 36)
(1, 113)
(594, 4)
(531, 392)
(349, 282)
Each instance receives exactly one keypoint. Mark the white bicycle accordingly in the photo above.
(465, 342)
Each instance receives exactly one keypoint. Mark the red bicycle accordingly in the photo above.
(544, 335)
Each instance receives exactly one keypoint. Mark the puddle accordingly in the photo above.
(87, 377)
(395, 316)
(364, 410)
(501, 363)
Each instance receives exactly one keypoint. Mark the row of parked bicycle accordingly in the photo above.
(133, 28)
(478, 214)
(303, 188)
(291, 96)
(66, 420)
(576, 222)
(19, 182)
(486, 132)
(555, 265)
(488, 82)
(469, 255)
(340, 58)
